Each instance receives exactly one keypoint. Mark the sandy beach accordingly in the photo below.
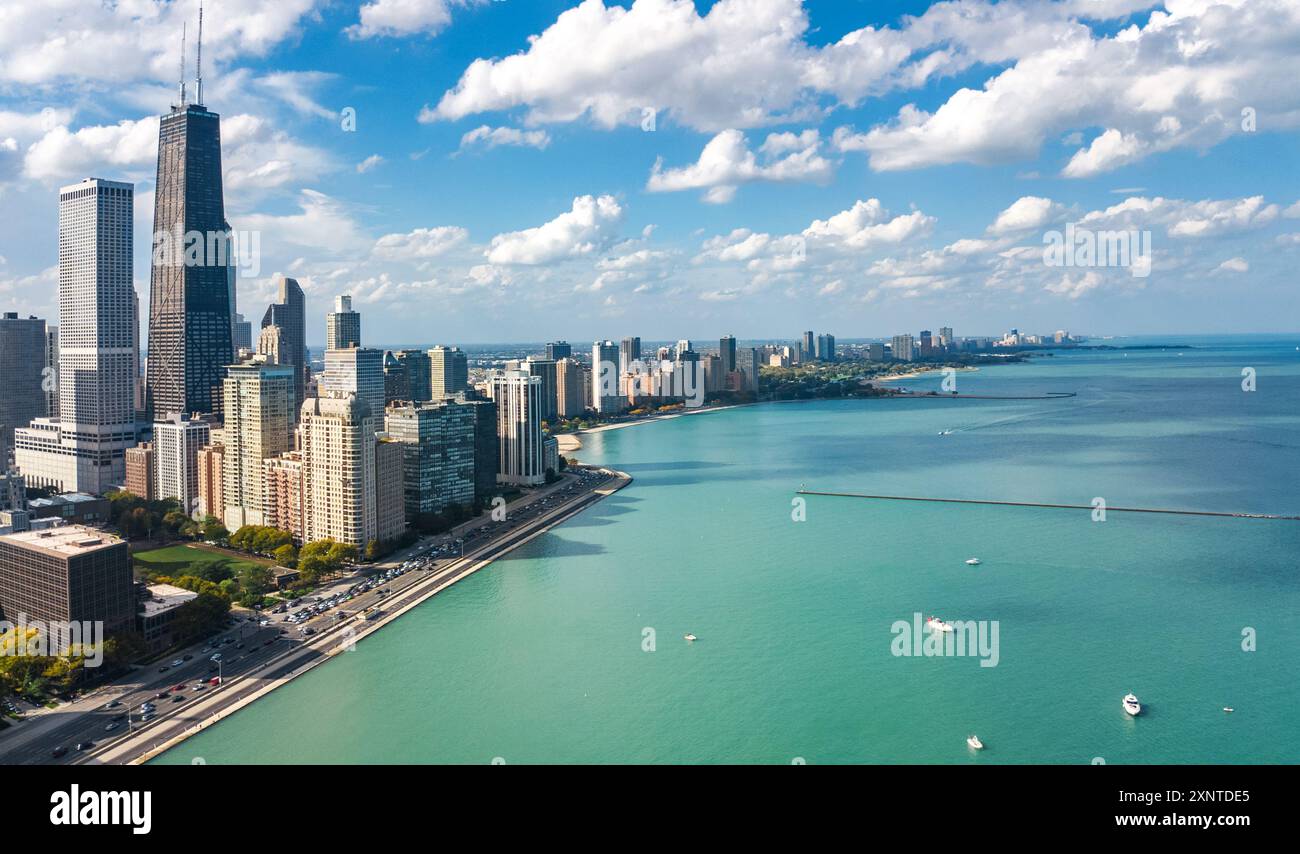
(911, 375)
(571, 442)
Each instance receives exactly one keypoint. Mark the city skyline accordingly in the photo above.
(751, 202)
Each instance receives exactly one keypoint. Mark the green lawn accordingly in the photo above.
(181, 560)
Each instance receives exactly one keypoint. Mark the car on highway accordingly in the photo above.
(215, 657)
(60, 751)
(178, 662)
(85, 745)
(163, 669)
(110, 727)
(179, 698)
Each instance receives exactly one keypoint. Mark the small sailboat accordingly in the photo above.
(975, 743)
(690, 637)
(938, 625)
(973, 561)
(1131, 705)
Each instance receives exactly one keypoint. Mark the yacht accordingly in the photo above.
(973, 561)
(938, 625)
(975, 743)
(1131, 704)
(690, 637)
(1228, 709)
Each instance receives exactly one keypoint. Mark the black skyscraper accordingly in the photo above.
(290, 314)
(189, 296)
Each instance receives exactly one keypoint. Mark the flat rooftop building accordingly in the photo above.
(66, 574)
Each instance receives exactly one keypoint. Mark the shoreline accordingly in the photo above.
(911, 375)
(573, 442)
(343, 637)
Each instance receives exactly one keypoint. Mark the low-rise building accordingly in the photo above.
(157, 611)
(73, 508)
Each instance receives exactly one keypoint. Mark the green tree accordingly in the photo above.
(311, 568)
(214, 530)
(200, 616)
(286, 555)
(255, 580)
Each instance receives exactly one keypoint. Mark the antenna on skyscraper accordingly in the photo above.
(182, 81)
(198, 62)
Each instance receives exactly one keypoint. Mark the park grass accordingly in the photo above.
(179, 560)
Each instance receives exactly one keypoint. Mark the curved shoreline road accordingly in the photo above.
(272, 659)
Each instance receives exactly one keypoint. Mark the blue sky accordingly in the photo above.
(864, 168)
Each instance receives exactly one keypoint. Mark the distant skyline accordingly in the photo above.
(533, 171)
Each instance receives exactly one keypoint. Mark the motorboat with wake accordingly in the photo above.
(1131, 704)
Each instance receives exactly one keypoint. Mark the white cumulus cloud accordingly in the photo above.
(589, 226)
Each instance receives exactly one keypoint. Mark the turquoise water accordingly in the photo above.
(540, 659)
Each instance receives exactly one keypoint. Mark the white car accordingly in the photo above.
(178, 662)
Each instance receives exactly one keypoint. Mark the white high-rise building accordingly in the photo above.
(355, 370)
(518, 397)
(83, 449)
(448, 372)
(176, 443)
(342, 325)
(336, 436)
(605, 396)
(257, 403)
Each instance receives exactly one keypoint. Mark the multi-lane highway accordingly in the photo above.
(110, 725)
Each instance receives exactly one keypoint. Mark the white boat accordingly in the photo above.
(973, 561)
(975, 743)
(938, 625)
(690, 637)
(1228, 709)
(1131, 705)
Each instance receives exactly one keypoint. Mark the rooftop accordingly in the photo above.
(64, 540)
(65, 498)
(164, 597)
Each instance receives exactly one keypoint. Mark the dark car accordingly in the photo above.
(179, 698)
(85, 745)
(60, 751)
